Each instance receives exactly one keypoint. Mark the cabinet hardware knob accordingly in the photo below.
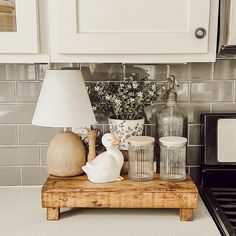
(200, 33)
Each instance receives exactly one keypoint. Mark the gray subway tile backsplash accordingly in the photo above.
(20, 72)
(192, 71)
(8, 135)
(7, 92)
(193, 110)
(30, 135)
(224, 107)
(18, 156)
(194, 155)
(34, 175)
(16, 114)
(183, 92)
(220, 91)
(194, 134)
(204, 88)
(102, 72)
(43, 154)
(225, 70)
(27, 91)
(10, 176)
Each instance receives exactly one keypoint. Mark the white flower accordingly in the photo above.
(94, 108)
(131, 100)
(122, 85)
(108, 97)
(129, 86)
(117, 101)
(140, 94)
(97, 88)
(151, 93)
(154, 87)
(135, 85)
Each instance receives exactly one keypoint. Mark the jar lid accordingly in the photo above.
(141, 140)
(173, 141)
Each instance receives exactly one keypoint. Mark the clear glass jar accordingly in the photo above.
(170, 120)
(141, 158)
(173, 158)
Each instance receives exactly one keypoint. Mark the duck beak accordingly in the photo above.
(116, 141)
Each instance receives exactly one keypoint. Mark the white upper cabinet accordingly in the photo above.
(133, 31)
(22, 31)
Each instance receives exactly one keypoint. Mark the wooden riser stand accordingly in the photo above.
(78, 192)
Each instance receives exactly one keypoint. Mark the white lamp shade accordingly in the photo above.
(64, 101)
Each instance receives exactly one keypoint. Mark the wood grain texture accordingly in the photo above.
(79, 192)
(6, 9)
(92, 135)
(53, 213)
(186, 214)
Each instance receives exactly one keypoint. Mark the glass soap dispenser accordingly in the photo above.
(170, 120)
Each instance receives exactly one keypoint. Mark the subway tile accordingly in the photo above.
(16, 114)
(106, 128)
(101, 118)
(10, 176)
(195, 173)
(8, 134)
(195, 134)
(103, 72)
(194, 155)
(19, 156)
(7, 93)
(43, 153)
(34, 175)
(20, 72)
(41, 71)
(224, 107)
(193, 111)
(191, 71)
(154, 72)
(27, 92)
(182, 92)
(3, 73)
(212, 91)
(29, 134)
(59, 66)
(150, 130)
(224, 69)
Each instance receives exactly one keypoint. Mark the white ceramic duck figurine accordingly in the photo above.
(106, 166)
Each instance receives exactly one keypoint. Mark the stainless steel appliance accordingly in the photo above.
(218, 175)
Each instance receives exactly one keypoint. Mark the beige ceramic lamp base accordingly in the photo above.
(66, 155)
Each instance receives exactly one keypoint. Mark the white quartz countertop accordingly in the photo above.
(21, 215)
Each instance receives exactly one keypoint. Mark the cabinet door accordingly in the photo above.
(18, 26)
(131, 26)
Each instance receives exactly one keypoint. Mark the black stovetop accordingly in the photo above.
(218, 190)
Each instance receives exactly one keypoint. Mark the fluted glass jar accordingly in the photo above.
(141, 158)
(173, 158)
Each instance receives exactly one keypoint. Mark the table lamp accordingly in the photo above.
(64, 102)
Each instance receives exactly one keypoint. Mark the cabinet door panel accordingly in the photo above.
(25, 38)
(132, 27)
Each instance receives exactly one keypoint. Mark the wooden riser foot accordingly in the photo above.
(186, 214)
(53, 213)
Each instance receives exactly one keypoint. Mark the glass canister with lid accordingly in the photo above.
(173, 158)
(141, 158)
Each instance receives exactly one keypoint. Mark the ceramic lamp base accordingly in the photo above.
(66, 155)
